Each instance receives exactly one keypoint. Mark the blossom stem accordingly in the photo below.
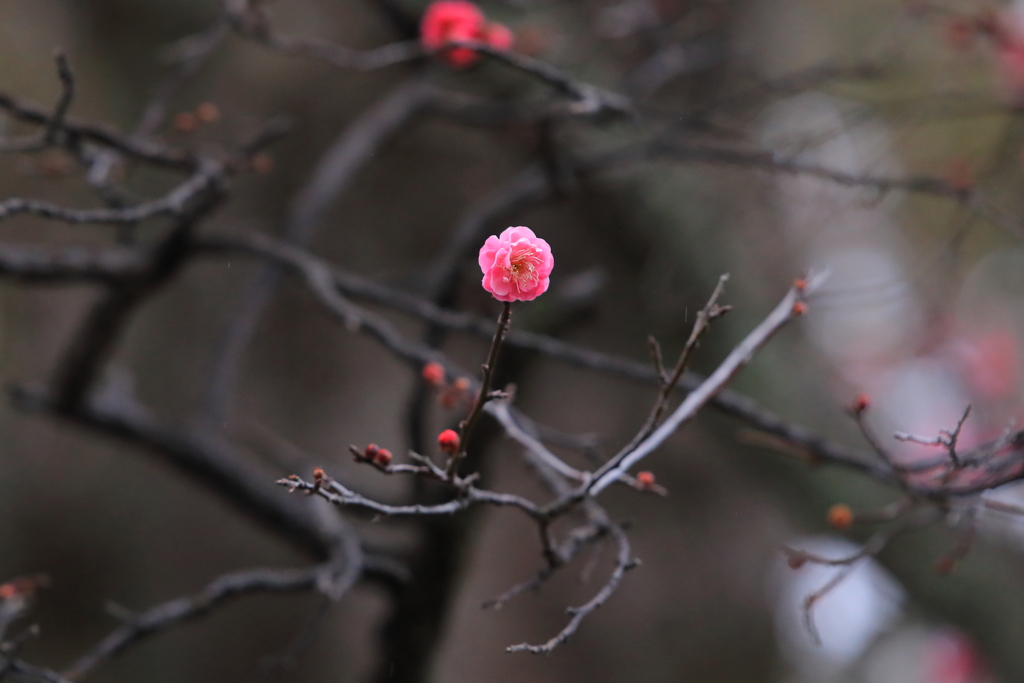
(466, 426)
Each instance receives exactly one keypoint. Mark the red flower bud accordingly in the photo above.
(262, 163)
(799, 308)
(382, 457)
(840, 516)
(433, 374)
(371, 451)
(796, 560)
(185, 122)
(861, 403)
(207, 112)
(448, 441)
(645, 479)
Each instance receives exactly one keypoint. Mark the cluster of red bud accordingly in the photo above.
(188, 121)
(208, 112)
(375, 454)
(960, 30)
(799, 308)
(23, 586)
(449, 395)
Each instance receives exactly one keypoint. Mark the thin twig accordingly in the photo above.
(624, 562)
(740, 356)
(484, 393)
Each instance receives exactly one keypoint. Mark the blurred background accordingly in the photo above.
(922, 310)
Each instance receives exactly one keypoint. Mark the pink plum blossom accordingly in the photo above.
(459, 20)
(516, 265)
(1007, 32)
(990, 362)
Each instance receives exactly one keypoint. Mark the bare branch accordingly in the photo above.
(253, 22)
(740, 356)
(208, 178)
(67, 81)
(624, 563)
(175, 612)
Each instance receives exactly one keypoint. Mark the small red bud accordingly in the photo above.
(433, 374)
(861, 403)
(645, 479)
(958, 175)
(945, 565)
(383, 457)
(452, 395)
(800, 284)
(796, 560)
(799, 308)
(371, 451)
(448, 441)
(449, 399)
(840, 516)
(207, 112)
(959, 32)
(262, 163)
(185, 122)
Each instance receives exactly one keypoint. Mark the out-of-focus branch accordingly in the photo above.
(624, 562)
(144, 149)
(204, 456)
(67, 265)
(174, 203)
(589, 100)
(172, 613)
(352, 150)
(67, 82)
(251, 20)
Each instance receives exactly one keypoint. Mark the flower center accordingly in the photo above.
(522, 269)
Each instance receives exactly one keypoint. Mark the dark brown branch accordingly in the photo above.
(784, 312)
(352, 150)
(577, 540)
(484, 393)
(624, 562)
(67, 81)
(701, 325)
(69, 265)
(143, 149)
(175, 612)
(175, 203)
(729, 401)
(251, 21)
(206, 457)
(589, 99)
